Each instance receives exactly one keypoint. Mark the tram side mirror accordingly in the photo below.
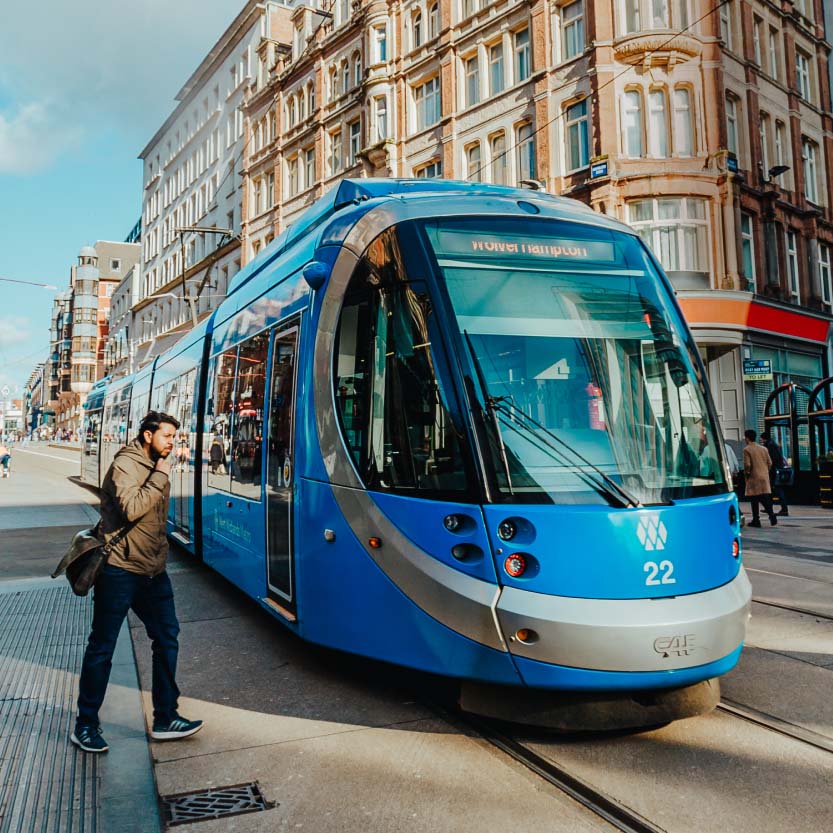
(316, 273)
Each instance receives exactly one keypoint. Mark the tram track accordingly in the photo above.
(776, 724)
(792, 609)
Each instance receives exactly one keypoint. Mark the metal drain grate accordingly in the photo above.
(202, 805)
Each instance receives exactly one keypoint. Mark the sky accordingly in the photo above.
(83, 87)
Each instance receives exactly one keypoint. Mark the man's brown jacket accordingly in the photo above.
(133, 490)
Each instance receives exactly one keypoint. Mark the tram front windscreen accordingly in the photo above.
(582, 365)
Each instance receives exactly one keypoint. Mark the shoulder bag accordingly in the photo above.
(86, 556)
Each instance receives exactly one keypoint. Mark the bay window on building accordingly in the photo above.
(572, 30)
(525, 149)
(380, 117)
(657, 124)
(499, 159)
(473, 168)
(495, 69)
(792, 266)
(747, 246)
(809, 152)
(380, 44)
(825, 274)
(578, 149)
(427, 102)
(683, 122)
(632, 124)
(646, 15)
(676, 229)
(472, 67)
(522, 56)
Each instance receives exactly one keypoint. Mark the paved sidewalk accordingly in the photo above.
(46, 784)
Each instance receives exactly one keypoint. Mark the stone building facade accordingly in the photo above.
(707, 129)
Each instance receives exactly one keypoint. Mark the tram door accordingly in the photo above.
(280, 472)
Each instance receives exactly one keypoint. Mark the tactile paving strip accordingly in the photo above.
(46, 784)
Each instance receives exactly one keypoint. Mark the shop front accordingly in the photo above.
(750, 346)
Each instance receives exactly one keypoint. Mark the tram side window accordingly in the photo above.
(247, 439)
(390, 397)
(221, 410)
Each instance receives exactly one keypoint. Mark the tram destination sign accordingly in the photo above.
(757, 370)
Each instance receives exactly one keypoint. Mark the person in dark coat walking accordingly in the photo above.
(778, 463)
(135, 491)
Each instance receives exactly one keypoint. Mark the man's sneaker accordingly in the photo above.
(754, 523)
(178, 728)
(773, 520)
(89, 738)
(785, 513)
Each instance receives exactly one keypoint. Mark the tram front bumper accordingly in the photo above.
(626, 635)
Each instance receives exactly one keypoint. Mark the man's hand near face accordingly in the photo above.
(163, 464)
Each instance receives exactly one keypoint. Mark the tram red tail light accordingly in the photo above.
(375, 543)
(736, 548)
(515, 565)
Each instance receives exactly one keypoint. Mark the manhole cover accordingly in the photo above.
(201, 805)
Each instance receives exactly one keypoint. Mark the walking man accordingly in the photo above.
(756, 466)
(778, 463)
(135, 493)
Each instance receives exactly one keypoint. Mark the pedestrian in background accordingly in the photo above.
(756, 466)
(778, 464)
(135, 494)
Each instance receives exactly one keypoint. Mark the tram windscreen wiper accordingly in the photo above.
(602, 482)
(595, 477)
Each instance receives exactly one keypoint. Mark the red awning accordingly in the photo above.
(717, 312)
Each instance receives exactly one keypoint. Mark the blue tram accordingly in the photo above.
(461, 428)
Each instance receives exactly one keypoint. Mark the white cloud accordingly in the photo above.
(68, 71)
(31, 139)
(13, 331)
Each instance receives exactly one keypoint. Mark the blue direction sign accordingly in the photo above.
(757, 370)
(598, 169)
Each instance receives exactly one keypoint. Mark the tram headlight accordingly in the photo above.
(515, 565)
(506, 530)
(452, 522)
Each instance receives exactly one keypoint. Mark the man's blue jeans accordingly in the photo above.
(152, 599)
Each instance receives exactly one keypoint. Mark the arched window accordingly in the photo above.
(683, 122)
(311, 96)
(525, 148)
(632, 124)
(345, 76)
(658, 123)
(433, 20)
(302, 105)
(416, 26)
(292, 112)
(332, 84)
(357, 69)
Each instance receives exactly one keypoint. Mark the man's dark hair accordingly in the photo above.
(153, 421)
(764, 436)
(750, 435)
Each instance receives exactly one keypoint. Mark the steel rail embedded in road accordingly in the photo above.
(607, 808)
(801, 610)
(775, 724)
